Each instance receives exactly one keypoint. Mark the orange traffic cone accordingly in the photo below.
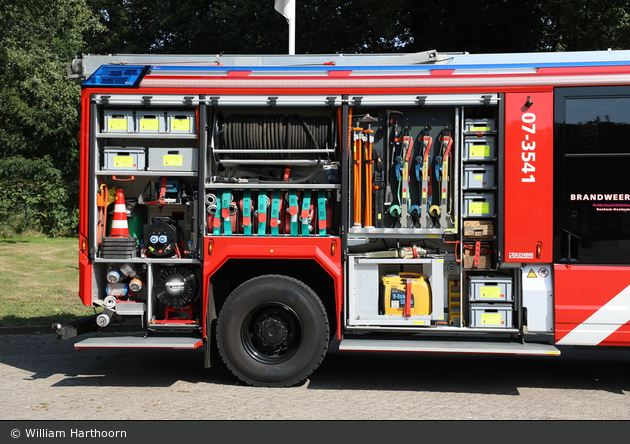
(119, 226)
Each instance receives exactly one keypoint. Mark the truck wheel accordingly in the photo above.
(272, 331)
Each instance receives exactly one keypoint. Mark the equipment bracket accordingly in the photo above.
(273, 101)
(188, 100)
(357, 100)
(146, 100)
(331, 101)
(486, 100)
(105, 100)
(421, 100)
(214, 101)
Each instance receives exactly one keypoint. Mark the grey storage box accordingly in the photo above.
(479, 149)
(479, 125)
(479, 177)
(479, 205)
(490, 289)
(118, 121)
(491, 316)
(181, 122)
(148, 121)
(129, 158)
(173, 159)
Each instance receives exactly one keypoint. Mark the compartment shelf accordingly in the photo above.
(147, 173)
(272, 186)
(152, 136)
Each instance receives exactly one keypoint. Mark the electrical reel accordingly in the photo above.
(163, 238)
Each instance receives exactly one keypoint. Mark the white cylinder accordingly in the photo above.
(102, 320)
(110, 301)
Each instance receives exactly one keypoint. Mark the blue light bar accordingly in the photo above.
(117, 75)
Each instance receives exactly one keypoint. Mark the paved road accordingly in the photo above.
(43, 378)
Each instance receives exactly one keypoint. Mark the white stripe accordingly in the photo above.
(119, 224)
(602, 323)
(120, 208)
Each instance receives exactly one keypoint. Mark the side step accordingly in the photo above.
(177, 342)
(445, 346)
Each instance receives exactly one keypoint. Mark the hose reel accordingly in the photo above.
(266, 132)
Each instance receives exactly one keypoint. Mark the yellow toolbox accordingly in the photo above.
(394, 294)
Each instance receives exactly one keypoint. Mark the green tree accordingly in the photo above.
(583, 25)
(39, 110)
(486, 26)
(39, 107)
(32, 195)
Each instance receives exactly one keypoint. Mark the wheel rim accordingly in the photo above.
(272, 333)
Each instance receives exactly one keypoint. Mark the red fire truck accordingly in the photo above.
(262, 206)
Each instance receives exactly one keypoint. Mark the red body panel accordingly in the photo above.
(85, 265)
(255, 247)
(528, 182)
(593, 298)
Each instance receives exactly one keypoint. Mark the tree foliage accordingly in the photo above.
(33, 194)
(38, 105)
(582, 25)
(39, 112)
(352, 26)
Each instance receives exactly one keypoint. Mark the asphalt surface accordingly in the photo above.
(42, 377)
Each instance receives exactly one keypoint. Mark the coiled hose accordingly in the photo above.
(265, 132)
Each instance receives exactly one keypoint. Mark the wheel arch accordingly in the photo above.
(235, 272)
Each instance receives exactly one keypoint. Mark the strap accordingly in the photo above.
(226, 199)
(247, 212)
(274, 217)
(321, 212)
(407, 309)
(160, 199)
(216, 223)
(477, 254)
(293, 212)
(304, 216)
(262, 213)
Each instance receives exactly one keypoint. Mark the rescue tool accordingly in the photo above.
(426, 184)
(389, 158)
(443, 172)
(403, 162)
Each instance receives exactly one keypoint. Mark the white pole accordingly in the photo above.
(292, 31)
(287, 9)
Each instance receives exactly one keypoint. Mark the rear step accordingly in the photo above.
(179, 342)
(445, 346)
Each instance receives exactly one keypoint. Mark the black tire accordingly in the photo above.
(272, 331)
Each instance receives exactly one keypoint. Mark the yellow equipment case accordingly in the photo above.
(395, 289)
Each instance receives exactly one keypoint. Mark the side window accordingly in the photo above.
(592, 175)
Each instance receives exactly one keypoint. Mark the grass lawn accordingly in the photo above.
(39, 281)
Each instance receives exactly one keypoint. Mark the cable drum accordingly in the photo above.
(272, 132)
